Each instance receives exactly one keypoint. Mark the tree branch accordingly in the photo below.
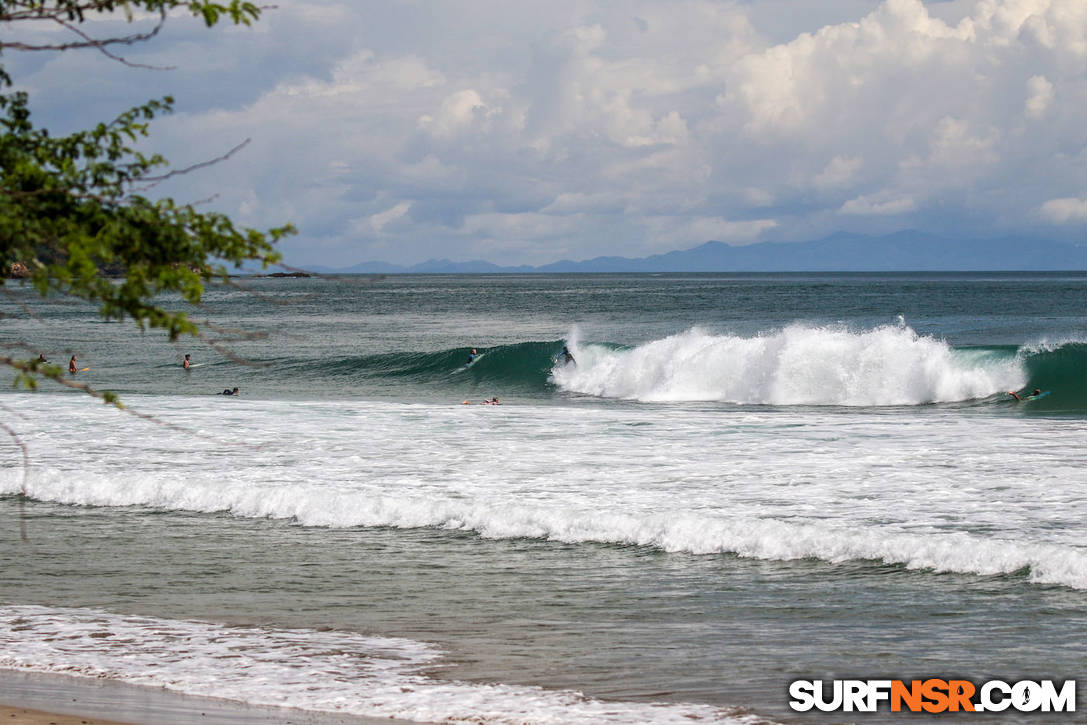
(100, 45)
(203, 164)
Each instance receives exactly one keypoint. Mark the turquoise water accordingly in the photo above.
(742, 481)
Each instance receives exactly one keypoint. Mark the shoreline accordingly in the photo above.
(25, 716)
(31, 698)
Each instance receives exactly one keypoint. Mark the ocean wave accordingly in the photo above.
(937, 489)
(674, 531)
(306, 669)
(890, 365)
(521, 366)
(799, 365)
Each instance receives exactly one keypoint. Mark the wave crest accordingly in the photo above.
(798, 365)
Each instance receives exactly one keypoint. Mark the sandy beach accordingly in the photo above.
(23, 716)
(40, 699)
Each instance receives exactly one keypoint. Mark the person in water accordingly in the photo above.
(492, 401)
(567, 357)
(1017, 396)
(41, 357)
(228, 391)
(71, 365)
(472, 356)
(186, 363)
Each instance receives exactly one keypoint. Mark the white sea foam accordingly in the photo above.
(799, 365)
(339, 672)
(940, 490)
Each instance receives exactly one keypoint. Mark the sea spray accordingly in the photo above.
(798, 365)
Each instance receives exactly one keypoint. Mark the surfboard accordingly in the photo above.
(1028, 398)
(464, 367)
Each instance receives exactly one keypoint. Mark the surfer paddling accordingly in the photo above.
(1024, 396)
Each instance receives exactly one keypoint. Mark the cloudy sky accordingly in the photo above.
(527, 132)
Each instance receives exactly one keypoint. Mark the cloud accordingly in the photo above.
(870, 206)
(1039, 96)
(377, 222)
(667, 233)
(578, 128)
(1065, 211)
(838, 173)
(458, 113)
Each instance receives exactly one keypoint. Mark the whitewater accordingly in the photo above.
(799, 365)
(740, 481)
(927, 490)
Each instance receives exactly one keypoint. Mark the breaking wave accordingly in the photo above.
(885, 366)
(318, 671)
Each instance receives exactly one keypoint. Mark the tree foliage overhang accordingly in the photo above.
(75, 211)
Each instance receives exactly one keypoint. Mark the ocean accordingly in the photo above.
(741, 481)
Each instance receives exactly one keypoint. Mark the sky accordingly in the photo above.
(527, 132)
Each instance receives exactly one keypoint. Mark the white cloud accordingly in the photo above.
(871, 206)
(587, 127)
(458, 113)
(1040, 96)
(955, 143)
(378, 221)
(1065, 211)
(838, 173)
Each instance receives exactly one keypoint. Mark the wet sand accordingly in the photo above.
(39, 699)
(23, 716)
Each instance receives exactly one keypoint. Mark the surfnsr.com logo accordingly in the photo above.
(932, 695)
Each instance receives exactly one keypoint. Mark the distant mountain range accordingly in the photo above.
(841, 252)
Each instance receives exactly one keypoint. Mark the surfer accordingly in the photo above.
(71, 366)
(472, 357)
(567, 357)
(228, 391)
(186, 363)
(1031, 396)
(492, 401)
(41, 357)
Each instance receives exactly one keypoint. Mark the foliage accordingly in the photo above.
(73, 209)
